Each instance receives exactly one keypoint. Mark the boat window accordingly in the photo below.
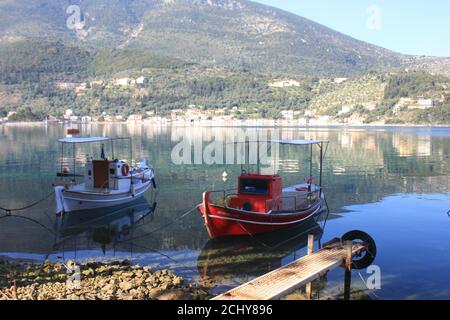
(254, 186)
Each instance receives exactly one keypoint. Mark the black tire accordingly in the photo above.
(371, 252)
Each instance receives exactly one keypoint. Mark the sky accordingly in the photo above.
(418, 27)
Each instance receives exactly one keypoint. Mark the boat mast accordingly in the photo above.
(310, 160)
(62, 160)
(257, 148)
(74, 163)
(131, 164)
(112, 150)
(248, 155)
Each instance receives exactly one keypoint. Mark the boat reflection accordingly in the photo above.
(243, 257)
(106, 226)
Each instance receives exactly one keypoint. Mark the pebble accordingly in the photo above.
(99, 281)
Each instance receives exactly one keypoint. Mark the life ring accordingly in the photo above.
(247, 206)
(125, 170)
(370, 252)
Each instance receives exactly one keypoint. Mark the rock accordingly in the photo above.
(126, 286)
(175, 295)
(109, 289)
(88, 272)
(165, 286)
(155, 293)
(177, 281)
(126, 263)
(118, 280)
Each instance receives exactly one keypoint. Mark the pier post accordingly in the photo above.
(348, 245)
(310, 251)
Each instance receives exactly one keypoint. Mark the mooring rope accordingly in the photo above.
(9, 211)
(164, 226)
(29, 219)
(370, 290)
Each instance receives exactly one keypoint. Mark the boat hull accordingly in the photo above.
(69, 200)
(225, 221)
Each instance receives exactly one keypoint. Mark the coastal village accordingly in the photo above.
(233, 116)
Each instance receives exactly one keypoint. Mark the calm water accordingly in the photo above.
(390, 182)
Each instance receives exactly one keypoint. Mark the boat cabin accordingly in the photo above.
(258, 193)
(105, 174)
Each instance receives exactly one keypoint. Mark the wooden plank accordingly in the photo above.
(280, 282)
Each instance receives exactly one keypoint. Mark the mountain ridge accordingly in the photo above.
(240, 34)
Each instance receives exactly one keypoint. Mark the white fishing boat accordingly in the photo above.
(104, 182)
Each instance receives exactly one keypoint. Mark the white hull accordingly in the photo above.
(71, 200)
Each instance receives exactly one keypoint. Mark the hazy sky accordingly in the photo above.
(420, 27)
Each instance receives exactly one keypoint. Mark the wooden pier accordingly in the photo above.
(302, 272)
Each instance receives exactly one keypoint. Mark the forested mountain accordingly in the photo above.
(211, 53)
(238, 34)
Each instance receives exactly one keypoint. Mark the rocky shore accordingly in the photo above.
(92, 281)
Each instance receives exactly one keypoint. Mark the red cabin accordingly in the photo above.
(258, 193)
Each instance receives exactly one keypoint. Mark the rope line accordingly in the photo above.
(31, 220)
(9, 211)
(370, 290)
(163, 226)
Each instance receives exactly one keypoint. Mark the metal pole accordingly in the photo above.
(112, 149)
(248, 156)
(131, 165)
(310, 161)
(74, 163)
(321, 163)
(258, 164)
(62, 160)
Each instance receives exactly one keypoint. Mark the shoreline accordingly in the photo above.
(117, 280)
(222, 125)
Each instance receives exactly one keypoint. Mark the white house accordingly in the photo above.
(339, 80)
(86, 119)
(141, 80)
(123, 82)
(284, 84)
(287, 114)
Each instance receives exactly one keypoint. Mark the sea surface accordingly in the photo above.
(391, 182)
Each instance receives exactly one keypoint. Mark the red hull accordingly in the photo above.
(224, 221)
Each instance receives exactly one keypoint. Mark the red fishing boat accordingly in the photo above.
(261, 204)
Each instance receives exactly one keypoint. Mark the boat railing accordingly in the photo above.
(295, 197)
(274, 206)
(226, 194)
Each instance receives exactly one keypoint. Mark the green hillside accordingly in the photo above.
(217, 33)
(215, 54)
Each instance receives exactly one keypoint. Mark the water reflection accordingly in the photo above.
(386, 173)
(105, 227)
(245, 257)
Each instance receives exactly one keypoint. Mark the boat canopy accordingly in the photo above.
(84, 140)
(300, 142)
